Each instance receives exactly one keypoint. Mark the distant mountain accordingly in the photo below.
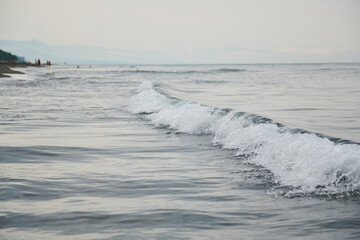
(80, 54)
(73, 54)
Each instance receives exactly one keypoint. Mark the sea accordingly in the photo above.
(251, 151)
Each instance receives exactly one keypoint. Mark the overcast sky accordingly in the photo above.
(237, 30)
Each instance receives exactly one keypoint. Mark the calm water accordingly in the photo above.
(181, 152)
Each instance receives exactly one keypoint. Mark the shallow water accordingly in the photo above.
(181, 152)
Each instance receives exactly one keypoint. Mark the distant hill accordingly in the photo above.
(76, 54)
(6, 56)
(73, 54)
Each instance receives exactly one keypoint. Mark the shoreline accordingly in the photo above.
(5, 68)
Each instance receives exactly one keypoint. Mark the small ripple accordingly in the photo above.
(98, 221)
(40, 154)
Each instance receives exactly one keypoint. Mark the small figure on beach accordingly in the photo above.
(39, 62)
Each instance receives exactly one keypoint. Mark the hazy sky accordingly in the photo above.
(272, 30)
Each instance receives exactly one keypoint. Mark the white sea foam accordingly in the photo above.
(147, 100)
(301, 160)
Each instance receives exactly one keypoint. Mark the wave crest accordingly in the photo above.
(300, 160)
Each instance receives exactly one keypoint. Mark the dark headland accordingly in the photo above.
(9, 61)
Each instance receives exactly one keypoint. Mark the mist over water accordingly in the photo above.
(181, 152)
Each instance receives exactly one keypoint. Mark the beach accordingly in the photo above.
(6, 68)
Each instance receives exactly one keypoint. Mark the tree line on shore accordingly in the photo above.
(8, 57)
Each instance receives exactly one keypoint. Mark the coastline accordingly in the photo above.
(5, 68)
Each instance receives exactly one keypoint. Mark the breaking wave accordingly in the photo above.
(300, 161)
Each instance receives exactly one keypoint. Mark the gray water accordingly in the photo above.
(181, 152)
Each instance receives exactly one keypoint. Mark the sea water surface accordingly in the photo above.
(181, 152)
